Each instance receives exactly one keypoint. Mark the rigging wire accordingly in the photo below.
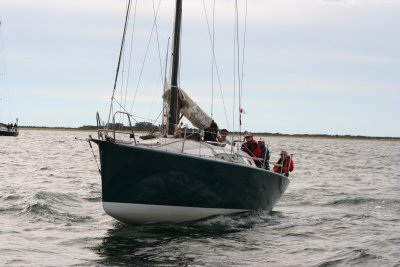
(238, 52)
(122, 77)
(94, 156)
(234, 71)
(158, 42)
(159, 58)
(212, 60)
(216, 67)
(123, 100)
(119, 60)
(239, 67)
(144, 59)
(130, 55)
(164, 106)
(121, 118)
(133, 116)
(244, 46)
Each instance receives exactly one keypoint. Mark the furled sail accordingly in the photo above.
(190, 109)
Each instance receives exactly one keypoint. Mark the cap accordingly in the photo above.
(248, 134)
(261, 140)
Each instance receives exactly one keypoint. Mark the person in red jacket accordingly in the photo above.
(252, 148)
(284, 165)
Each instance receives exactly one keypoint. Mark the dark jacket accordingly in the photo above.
(265, 157)
(210, 136)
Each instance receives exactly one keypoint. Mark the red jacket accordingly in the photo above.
(287, 166)
(253, 149)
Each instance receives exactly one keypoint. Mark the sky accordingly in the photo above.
(305, 66)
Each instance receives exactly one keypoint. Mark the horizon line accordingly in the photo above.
(92, 127)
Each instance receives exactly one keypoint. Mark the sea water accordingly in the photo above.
(342, 208)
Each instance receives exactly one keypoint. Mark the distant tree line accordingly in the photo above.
(139, 126)
(147, 126)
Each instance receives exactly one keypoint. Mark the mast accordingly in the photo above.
(173, 104)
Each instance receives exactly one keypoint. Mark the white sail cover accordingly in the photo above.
(190, 109)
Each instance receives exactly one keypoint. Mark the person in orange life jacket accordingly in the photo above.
(284, 165)
(252, 148)
(210, 133)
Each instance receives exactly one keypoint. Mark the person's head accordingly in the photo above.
(224, 133)
(261, 142)
(248, 137)
(213, 126)
(284, 154)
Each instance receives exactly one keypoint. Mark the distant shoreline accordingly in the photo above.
(322, 136)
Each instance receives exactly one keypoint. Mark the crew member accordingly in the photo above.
(264, 154)
(222, 137)
(284, 165)
(252, 148)
(210, 133)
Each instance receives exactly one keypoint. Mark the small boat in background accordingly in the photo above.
(9, 129)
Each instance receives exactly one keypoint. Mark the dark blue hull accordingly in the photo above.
(9, 133)
(137, 175)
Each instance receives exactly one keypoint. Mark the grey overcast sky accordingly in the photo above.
(310, 66)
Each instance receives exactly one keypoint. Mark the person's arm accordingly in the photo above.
(246, 149)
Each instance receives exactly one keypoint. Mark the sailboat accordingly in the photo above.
(9, 129)
(165, 178)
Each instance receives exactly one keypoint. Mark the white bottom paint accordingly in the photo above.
(144, 213)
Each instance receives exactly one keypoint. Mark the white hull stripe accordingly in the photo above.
(144, 213)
